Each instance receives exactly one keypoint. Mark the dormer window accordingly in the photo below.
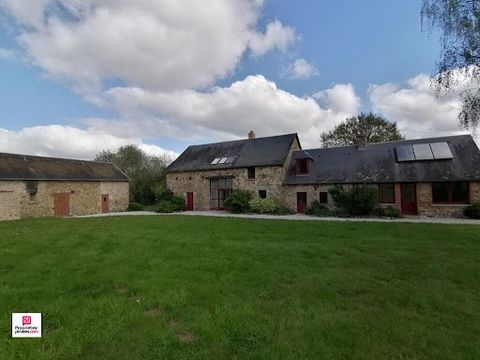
(302, 166)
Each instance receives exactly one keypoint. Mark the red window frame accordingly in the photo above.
(302, 166)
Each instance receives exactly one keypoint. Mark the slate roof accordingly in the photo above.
(378, 163)
(28, 167)
(264, 151)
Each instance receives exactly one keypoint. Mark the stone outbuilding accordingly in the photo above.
(34, 186)
(427, 177)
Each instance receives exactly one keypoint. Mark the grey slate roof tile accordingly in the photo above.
(27, 167)
(264, 151)
(378, 163)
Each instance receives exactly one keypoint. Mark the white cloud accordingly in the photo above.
(416, 108)
(161, 45)
(5, 53)
(230, 112)
(340, 98)
(301, 69)
(67, 141)
(276, 36)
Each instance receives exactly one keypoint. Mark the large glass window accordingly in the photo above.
(220, 189)
(450, 192)
(386, 193)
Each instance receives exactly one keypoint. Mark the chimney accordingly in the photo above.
(251, 135)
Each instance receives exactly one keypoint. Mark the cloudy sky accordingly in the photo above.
(79, 76)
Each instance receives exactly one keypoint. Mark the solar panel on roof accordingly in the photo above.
(405, 153)
(441, 150)
(422, 152)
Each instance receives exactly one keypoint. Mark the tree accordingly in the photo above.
(459, 23)
(355, 130)
(146, 172)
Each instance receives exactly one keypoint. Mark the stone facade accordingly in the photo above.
(85, 197)
(269, 178)
(427, 208)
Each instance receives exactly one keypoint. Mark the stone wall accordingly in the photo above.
(427, 208)
(85, 198)
(269, 178)
(10, 193)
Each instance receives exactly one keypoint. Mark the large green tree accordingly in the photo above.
(146, 172)
(459, 24)
(355, 130)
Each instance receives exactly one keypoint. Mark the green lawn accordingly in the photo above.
(211, 288)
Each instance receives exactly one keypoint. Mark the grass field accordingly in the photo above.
(210, 288)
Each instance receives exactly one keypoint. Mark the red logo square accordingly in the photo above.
(26, 320)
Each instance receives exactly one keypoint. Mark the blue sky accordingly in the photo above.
(362, 56)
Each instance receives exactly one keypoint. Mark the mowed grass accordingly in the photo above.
(210, 288)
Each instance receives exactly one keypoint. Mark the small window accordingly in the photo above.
(323, 197)
(450, 193)
(32, 197)
(262, 194)
(251, 172)
(302, 167)
(386, 193)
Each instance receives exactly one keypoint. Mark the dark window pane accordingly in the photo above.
(251, 172)
(386, 193)
(459, 191)
(323, 198)
(262, 194)
(440, 192)
(302, 166)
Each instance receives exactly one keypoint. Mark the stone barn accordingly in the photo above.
(34, 186)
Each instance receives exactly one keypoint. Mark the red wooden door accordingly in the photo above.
(105, 204)
(61, 204)
(409, 199)
(189, 201)
(301, 201)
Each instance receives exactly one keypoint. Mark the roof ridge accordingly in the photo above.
(244, 140)
(54, 158)
(391, 142)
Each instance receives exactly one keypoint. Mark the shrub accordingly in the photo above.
(473, 211)
(174, 204)
(238, 201)
(389, 211)
(269, 206)
(317, 209)
(135, 206)
(359, 200)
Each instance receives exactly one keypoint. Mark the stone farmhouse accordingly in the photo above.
(33, 186)
(426, 177)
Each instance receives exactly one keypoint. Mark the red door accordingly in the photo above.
(61, 204)
(301, 201)
(409, 199)
(190, 201)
